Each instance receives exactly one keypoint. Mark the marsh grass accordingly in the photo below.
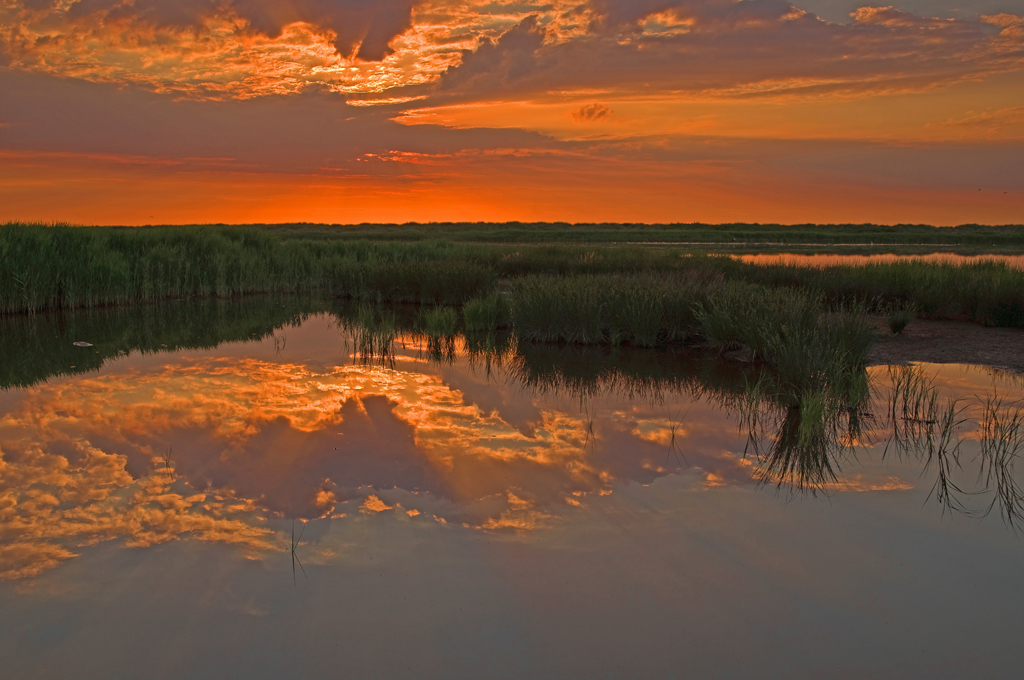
(801, 456)
(988, 292)
(642, 310)
(489, 351)
(675, 430)
(898, 316)
(815, 377)
(762, 235)
(441, 325)
(486, 313)
(373, 335)
(590, 434)
(60, 267)
(1002, 442)
(64, 267)
(913, 404)
(799, 443)
(295, 542)
(942, 448)
(924, 426)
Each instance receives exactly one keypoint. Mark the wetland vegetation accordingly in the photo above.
(739, 235)
(801, 395)
(63, 267)
(784, 346)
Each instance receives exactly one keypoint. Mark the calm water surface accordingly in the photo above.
(831, 259)
(214, 493)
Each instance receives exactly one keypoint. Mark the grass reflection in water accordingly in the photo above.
(804, 430)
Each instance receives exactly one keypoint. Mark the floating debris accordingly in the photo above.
(81, 343)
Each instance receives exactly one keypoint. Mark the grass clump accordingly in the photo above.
(374, 335)
(441, 322)
(487, 313)
(440, 325)
(809, 348)
(1002, 443)
(899, 315)
(642, 310)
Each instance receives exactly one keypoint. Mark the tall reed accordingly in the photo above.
(61, 267)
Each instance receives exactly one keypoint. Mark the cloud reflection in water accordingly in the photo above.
(253, 436)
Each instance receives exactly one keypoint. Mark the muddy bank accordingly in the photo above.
(950, 342)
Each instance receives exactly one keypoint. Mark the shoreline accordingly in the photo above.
(949, 342)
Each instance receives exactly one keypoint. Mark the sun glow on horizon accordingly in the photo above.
(400, 110)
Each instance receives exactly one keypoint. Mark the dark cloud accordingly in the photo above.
(587, 114)
(496, 64)
(751, 46)
(371, 24)
(367, 24)
(304, 133)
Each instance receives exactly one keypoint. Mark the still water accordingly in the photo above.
(231, 491)
(1015, 261)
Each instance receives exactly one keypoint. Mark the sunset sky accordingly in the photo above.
(173, 111)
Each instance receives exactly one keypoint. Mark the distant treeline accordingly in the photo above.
(63, 267)
(696, 233)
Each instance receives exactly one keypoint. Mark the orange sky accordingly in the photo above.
(157, 111)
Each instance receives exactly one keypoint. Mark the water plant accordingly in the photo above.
(295, 543)
(899, 315)
(1002, 442)
(642, 310)
(920, 425)
(374, 335)
(486, 313)
(58, 267)
(942, 447)
(440, 325)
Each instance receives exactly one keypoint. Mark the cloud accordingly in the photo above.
(296, 442)
(998, 125)
(306, 133)
(752, 48)
(52, 502)
(246, 48)
(587, 114)
(216, 111)
(368, 25)
(374, 504)
(209, 49)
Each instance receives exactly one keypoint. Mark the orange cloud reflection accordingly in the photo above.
(51, 504)
(85, 460)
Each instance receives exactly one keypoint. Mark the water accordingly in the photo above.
(273, 506)
(1015, 261)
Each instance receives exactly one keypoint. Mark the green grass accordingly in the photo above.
(486, 313)
(639, 309)
(373, 333)
(441, 325)
(898, 316)
(695, 233)
(64, 267)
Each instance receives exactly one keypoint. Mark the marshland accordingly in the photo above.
(537, 438)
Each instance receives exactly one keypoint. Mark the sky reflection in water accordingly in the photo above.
(471, 515)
